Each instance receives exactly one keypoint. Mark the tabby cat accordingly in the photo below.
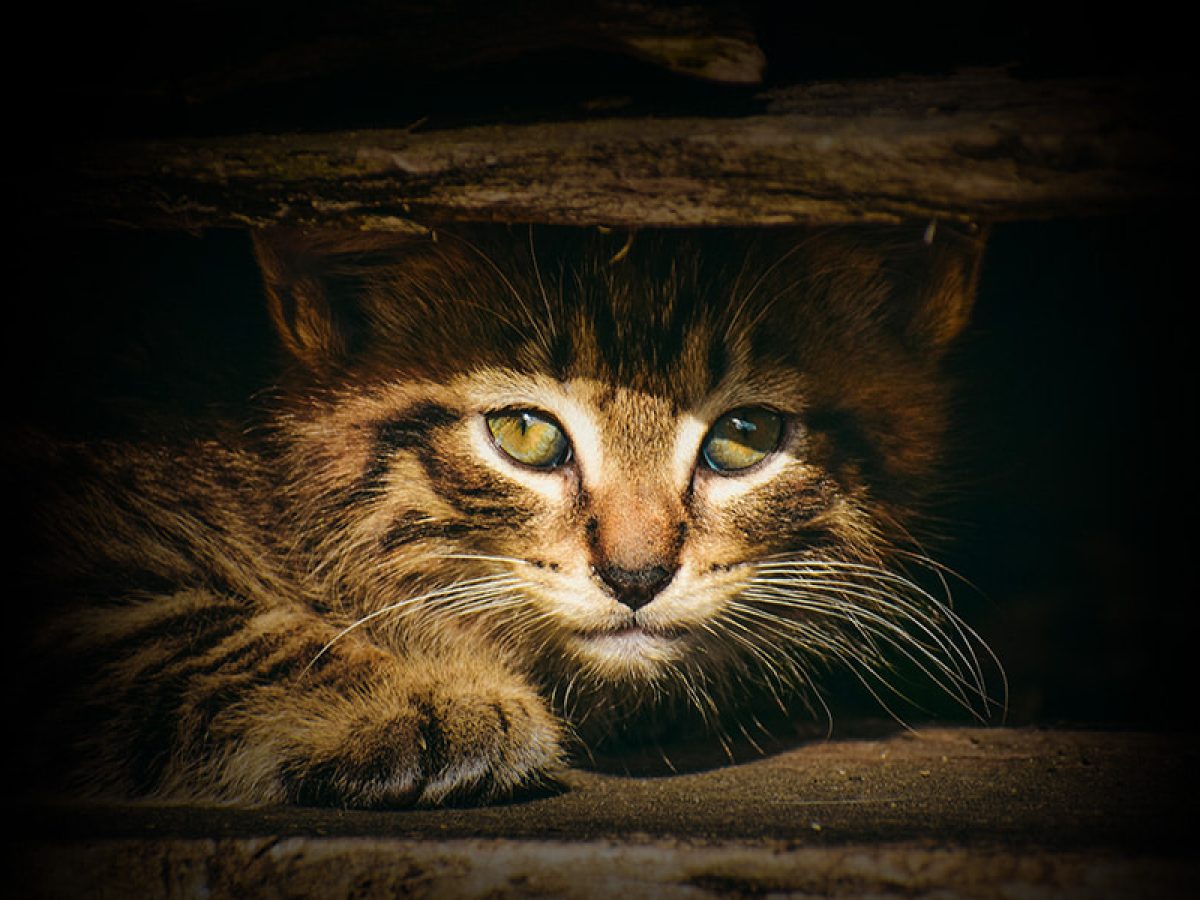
(514, 491)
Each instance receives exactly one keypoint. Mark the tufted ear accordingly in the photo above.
(314, 282)
(937, 276)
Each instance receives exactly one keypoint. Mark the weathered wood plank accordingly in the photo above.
(943, 812)
(975, 146)
(467, 869)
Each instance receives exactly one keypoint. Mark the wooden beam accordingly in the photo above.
(944, 812)
(978, 145)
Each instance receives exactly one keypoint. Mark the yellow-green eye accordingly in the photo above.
(741, 438)
(530, 438)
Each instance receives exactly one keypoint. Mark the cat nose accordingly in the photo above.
(635, 587)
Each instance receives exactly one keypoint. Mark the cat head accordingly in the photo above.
(631, 458)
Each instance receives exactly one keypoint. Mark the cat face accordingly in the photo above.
(627, 462)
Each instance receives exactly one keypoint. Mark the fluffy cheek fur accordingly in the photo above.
(788, 509)
(434, 504)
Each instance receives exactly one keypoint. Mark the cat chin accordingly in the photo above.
(626, 652)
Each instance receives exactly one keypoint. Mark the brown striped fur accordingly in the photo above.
(362, 602)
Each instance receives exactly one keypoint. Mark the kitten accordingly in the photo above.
(514, 489)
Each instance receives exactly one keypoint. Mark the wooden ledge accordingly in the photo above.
(979, 145)
(465, 869)
(960, 811)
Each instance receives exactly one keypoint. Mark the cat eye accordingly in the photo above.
(530, 438)
(741, 438)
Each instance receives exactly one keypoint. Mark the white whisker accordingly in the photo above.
(933, 612)
(871, 626)
(925, 623)
(850, 655)
(863, 616)
(478, 556)
(458, 589)
(798, 679)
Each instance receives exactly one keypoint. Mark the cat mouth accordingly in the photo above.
(632, 634)
(633, 628)
(636, 630)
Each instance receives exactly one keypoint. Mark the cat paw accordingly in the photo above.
(442, 743)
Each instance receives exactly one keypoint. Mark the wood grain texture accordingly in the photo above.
(942, 812)
(976, 146)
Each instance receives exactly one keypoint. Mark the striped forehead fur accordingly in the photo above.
(669, 315)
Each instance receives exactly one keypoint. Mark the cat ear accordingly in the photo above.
(314, 283)
(298, 298)
(938, 276)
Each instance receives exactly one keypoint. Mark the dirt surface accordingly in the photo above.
(940, 812)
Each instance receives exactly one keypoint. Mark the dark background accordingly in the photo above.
(229, 66)
(1072, 515)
